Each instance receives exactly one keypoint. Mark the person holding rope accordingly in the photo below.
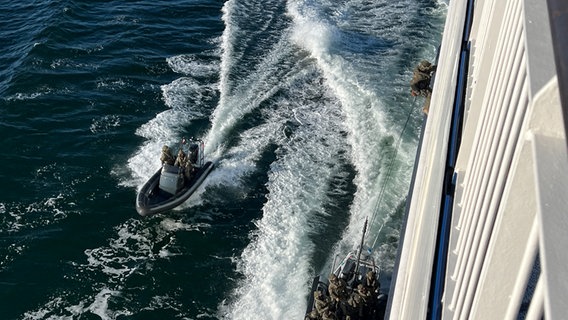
(420, 83)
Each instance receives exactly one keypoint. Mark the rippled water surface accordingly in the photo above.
(303, 104)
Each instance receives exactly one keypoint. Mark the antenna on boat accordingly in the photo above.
(361, 246)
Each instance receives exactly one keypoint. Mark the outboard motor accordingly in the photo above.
(171, 181)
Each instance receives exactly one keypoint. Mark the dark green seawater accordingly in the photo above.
(303, 104)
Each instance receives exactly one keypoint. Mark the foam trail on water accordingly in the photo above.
(276, 264)
(361, 105)
(237, 162)
(360, 56)
(188, 100)
(238, 99)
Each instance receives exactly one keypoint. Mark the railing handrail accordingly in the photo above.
(558, 15)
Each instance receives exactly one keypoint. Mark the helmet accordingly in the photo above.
(424, 65)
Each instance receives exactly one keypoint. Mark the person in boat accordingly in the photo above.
(189, 169)
(328, 315)
(167, 156)
(371, 282)
(420, 83)
(372, 286)
(338, 292)
(354, 306)
(313, 315)
(359, 304)
(322, 302)
(366, 300)
(181, 159)
(193, 150)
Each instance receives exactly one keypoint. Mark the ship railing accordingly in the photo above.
(505, 255)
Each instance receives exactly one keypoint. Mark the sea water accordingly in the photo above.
(303, 105)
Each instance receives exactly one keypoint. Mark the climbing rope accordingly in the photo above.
(387, 177)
